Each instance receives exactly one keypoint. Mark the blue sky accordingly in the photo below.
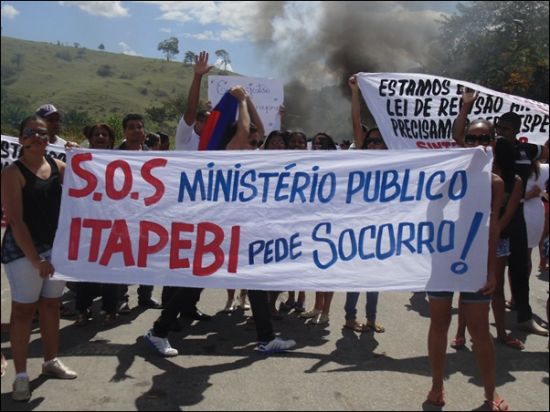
(138, 27)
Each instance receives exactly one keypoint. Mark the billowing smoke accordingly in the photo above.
(318, 45)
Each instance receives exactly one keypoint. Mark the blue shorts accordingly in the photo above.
(503, 248)
(465, 297)
(26, 285)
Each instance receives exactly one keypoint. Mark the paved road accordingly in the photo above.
(331, 369)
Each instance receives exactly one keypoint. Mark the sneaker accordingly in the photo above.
(243, 305)
(124, 308)
(310, 314)
(149, 303)
(276, 345)
(161, 345)
(531, 326)
(57, 370)
(229, 307)
(21, 389)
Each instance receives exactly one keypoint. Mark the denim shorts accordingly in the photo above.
(503, 248)
(465, 297)
(26, 284)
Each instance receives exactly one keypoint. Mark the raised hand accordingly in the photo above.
(469, 95)
(238, 92)
(352, 83)
(201, 63)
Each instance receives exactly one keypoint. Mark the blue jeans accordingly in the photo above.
(370, 307)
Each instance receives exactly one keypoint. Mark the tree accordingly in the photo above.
(498, 44)
(189, 57)
(101, 47)
(224, 56)
(169, 47)
(76, 45)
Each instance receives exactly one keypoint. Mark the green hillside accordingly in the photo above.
(89, 85)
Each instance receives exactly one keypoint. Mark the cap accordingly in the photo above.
(46, 110)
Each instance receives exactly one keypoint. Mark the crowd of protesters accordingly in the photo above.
(31, 195)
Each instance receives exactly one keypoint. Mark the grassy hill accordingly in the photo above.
(92, 86)
(87, 83)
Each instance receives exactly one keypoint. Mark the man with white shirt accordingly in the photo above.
(192, 122)
(52, 118)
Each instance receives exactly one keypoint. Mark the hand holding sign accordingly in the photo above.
(469, 95)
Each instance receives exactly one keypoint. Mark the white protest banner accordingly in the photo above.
(418, 110)
(11, 150)
(266, 94)
(362, 220)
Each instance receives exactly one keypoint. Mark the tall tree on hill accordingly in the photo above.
(224, 56)
(101, 46)
(498, 44)
(189, 57)
(169, 47)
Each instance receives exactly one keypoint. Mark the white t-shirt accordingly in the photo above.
(186, 138)
(59, 141)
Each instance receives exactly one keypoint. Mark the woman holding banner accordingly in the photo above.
(31, 197)
(475, 305)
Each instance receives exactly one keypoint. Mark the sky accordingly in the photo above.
(136, 28)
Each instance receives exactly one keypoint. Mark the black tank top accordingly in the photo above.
(41, 202)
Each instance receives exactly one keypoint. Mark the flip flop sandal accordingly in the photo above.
(458, 343)
(357, 327)
(436, 398)
(498, 405)
(376, 327)
(512, 342)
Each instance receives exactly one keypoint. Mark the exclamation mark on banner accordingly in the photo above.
(461, 267)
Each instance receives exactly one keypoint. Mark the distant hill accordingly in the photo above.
(92, 86)
(88, 83)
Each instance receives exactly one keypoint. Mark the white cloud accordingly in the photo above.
(9, 12)
(127, 49)
(205, 35)
(109, 9)
(235, 17)
(166, 30)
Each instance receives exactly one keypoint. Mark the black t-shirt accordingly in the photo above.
(526, 153)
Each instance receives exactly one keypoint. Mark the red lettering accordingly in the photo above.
(89, 177)
(234, 249)
(110, 179)
(176, 244)
(202, 248)
(119, 242)
(74, 238)
(152, 180)
(145, 249)
(97, 226)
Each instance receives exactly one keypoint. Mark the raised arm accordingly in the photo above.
(240, 139)
(358, 134)
(201, 68)
(469, 96)
(254, 116)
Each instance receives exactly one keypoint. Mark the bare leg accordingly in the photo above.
(497, 303)
(440, 319)
(20, 333)
(477, 318)
(327, 302)
(49, 326)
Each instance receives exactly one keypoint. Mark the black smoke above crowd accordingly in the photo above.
(318, 45)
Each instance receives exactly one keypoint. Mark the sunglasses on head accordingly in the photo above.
(375, 141)
(483, 139)
(42, 133)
